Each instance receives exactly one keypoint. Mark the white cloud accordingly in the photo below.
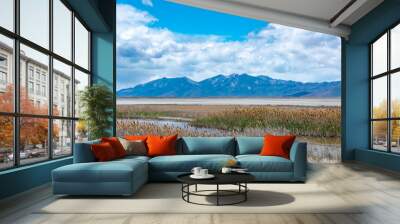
(146, 52)
(147, 2)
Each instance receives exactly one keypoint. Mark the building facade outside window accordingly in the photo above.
(45, 119)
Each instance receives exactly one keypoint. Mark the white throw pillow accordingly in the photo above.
(137, 148)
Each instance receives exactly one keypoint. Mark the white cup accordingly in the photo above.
(196, 171)
(203, 172)
(226, 170)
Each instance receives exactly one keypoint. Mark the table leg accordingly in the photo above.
(217, 194)
(188, 190)
(195, 188)
(245, 193)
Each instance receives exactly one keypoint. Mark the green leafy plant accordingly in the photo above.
(97, 103)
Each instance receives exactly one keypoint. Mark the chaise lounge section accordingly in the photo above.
(125, 176)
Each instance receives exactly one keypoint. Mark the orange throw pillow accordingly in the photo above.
(277, 145)
(103, 152)
(135, 138)
(116, 145)
(161, 145)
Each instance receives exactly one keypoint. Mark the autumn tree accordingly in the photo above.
(33, 131)
(380, 127)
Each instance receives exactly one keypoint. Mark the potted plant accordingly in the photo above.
(96, 103)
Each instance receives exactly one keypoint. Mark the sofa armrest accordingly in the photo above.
(83, 152)
(298, 155)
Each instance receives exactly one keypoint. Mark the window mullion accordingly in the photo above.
(389, 77)
(16, 69)
(73, 82)
(50, 81)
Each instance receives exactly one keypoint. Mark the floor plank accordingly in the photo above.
(378, 190)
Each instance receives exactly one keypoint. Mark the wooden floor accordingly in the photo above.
(379, 189)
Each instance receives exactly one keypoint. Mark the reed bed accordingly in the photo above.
(325, 150)
(307, 121)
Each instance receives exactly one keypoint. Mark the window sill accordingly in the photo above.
(30, 166)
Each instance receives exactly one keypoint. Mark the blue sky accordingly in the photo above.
(156, 38)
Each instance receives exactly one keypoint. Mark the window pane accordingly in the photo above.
(6, 142)
(395, 94)
(34, 72)
(81, 45)
(81, 82)
(62, 89)
(379, 135)
(395, 138)
(33, 139)
(6, 74)
(7, 14)
(379, 55)
(379, 100)
(62, 138)
(35, 21)
(395, 47)
(62, 29)
(81, 132)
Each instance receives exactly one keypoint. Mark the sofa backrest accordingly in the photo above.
(249, 145)
(206, 145)
(83, 152)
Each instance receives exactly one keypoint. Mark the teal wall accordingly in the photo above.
(24, 178)
(99, 15)
(355, 79)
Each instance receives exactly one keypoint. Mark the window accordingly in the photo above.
(385, 94)
(3, 61)
(6, 142)
(3, 72)
(3, 78)
(62, 74)
(7, 14)
(35, 21)
(31, 76)
(62, 29)
(30, 88)
(6, 74)
(81, 82)
(44, 91)
(81, 45)
(44, 115)
(62, 137)
(38, 89)
(37, 75)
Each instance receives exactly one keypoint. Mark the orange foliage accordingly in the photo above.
(33, 130)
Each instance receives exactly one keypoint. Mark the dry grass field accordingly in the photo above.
(319, 126)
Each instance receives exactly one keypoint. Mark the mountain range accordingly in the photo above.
(235, 85)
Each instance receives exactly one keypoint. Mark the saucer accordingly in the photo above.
(208, 176)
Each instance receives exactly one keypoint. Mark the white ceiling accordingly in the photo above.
(315, 15)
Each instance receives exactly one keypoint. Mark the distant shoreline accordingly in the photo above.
(275, 101)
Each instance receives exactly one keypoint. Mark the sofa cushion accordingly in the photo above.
(116, 145)
(161, 145)
(185, 163)
(249, 145)
(277, 145)
(103, 152)
(257, 163)
(112, 171)
(207, 145)
(135, 147)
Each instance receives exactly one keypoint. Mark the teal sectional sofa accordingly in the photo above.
(125, 176)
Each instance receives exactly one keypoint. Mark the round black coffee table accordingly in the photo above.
(238, 179)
